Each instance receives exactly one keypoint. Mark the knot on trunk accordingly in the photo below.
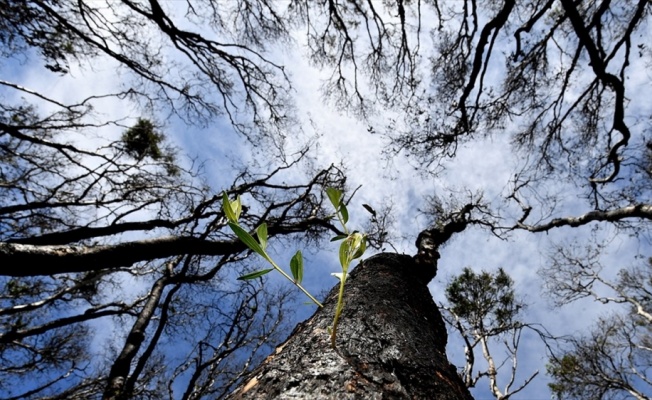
(427, 256)
(429, 241)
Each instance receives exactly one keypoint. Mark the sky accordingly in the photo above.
(482, 165)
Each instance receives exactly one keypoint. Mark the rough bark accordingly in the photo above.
(391, 343)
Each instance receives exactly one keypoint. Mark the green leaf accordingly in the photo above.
(335, 196)
(262, 235)
(247, 239)
(359, 245)
(345, 213)
(338, 237)
(236, 206)
(344, 253)
(228, 209)
(255, 275)
(296, 266)
(351, 248)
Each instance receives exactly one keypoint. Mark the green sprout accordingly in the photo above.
(232, 210)
(353, 246)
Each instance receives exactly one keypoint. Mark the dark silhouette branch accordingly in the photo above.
(31, 260)
(610, 80)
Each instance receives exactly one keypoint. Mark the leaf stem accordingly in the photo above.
(288, 277)
(338, 311)
(339, 217)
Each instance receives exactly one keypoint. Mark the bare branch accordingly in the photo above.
(641, 211)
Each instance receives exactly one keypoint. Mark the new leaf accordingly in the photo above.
(335, 196)
(296, 266)
(247, 239)
(255, 275)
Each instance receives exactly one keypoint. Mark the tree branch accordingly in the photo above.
(30, 260)
(643, 211)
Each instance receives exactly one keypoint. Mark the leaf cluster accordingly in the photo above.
(353, 247)
(487, 301)
(142, 140)
(233, 209)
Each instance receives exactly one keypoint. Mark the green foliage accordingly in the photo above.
(484, 299)
(232, 210)
(256, 274)
(296, 266)
(353, 246)
(561, 370)
(141, 140)
(483, 308)
(24, 25)
(249, 240)
(610, 360)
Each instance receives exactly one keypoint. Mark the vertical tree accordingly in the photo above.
(391, 342)
(483, 308)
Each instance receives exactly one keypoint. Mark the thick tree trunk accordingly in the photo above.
(391, 343)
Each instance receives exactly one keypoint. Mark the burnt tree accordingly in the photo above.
(391, 342)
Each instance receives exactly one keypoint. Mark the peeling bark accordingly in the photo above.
(391, 344)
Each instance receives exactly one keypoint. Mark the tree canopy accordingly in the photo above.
(110, 221)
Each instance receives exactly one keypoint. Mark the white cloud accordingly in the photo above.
(486, 165)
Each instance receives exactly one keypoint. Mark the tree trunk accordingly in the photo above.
(391, 343)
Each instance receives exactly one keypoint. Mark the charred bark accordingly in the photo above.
(391, 343)
(30, 260)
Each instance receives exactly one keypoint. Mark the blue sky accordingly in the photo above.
(483, 165)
